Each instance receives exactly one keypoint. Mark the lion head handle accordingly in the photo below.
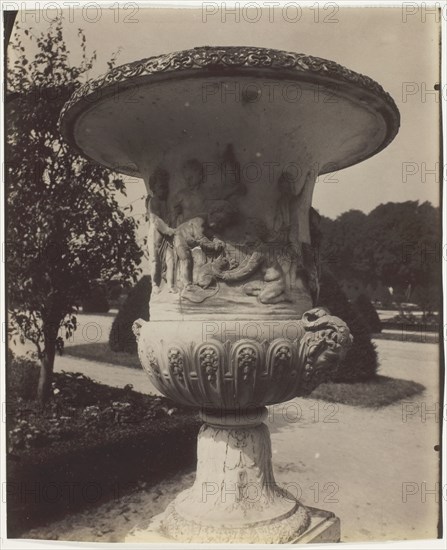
(323, 347)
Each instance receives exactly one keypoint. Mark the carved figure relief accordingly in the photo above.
(189, 202)
(200, 232)
(159, 242)
(229, 184)
(203, 235)
(260, 259)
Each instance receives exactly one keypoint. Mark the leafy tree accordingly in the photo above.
(342, 245)
(396, 244)
(96, 301)
(65, 230)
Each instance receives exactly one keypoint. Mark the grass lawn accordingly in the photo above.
(379, 392)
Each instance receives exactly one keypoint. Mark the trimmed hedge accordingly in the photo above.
(361, 362)
(368, 312)
(89, 444)
(96, 301)
(136, 306)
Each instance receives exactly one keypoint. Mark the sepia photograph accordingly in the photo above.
(222, 274)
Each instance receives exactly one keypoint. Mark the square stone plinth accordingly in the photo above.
(324, 527)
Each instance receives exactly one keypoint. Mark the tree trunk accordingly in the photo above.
(47, 361)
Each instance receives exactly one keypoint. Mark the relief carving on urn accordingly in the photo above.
(209, 240)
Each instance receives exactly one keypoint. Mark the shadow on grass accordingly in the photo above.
(375, 393)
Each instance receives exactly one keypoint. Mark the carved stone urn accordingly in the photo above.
(230, 142)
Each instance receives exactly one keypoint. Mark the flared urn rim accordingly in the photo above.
(238, 62)
(244, 372)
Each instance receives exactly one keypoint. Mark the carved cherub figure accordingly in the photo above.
(200, 231)
(286, 226)
(159, 236)
(231, 183)
(271, 289)
(189, 202)
(285, 223)
(206, 281)
(210, 272)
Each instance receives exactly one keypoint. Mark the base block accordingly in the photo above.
(324, 527)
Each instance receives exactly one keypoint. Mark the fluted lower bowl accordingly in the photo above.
(243, 364)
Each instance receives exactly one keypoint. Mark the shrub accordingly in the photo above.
(79, 405)
(83, 436)
(361, 362)
(368, 312)
(22, 376)
(96, 301)
(136, 306)
(115, 291)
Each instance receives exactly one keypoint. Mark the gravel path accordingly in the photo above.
(107, 373)
(374, 469)
(94, 328)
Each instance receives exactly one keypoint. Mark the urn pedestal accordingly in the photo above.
(230, 142)
(235, 497)
(230, 375)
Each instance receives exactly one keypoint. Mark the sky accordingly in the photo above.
(398, 49)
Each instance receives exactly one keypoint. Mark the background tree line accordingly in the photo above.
(398, 245)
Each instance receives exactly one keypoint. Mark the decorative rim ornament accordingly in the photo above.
(206, 61)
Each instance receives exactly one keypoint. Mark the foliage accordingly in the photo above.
(342, 245)
(396, 244)
(427, 297)
(135, 307)
(21, 381)
(406, 320)
(360, 363)
(96, 300)
(79, 406)
(368, 312)
(64, 226)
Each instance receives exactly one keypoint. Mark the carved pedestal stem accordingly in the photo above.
(235, 497)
